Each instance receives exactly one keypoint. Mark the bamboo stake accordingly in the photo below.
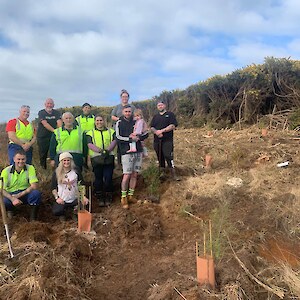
(90, 199)
(204, 244)
(210, 238)
(178, 292)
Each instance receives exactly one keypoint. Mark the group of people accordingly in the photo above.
(74, 143)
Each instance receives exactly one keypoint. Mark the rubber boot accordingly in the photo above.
(33, 213)
(101, 198)
(108, 198)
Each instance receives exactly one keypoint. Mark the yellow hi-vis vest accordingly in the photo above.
(86, 123)
(102, 139)
(68, 142)
(14, 181)
(24, 132)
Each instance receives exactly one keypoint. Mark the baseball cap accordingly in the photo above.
(86, 104)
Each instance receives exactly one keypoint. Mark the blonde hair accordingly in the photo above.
(138, 112)
(60, 173)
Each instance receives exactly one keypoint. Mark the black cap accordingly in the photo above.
(86, 104)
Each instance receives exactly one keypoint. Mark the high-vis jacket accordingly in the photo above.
(100, 138)
(23, 132)
(14, 181)
(68, 141)
(86, 122)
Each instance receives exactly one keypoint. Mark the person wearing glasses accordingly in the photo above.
(101, 142)
(21, 135)
(131, 162)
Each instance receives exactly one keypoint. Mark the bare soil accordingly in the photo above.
(148, 251)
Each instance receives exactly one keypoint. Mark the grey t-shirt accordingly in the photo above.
(117, 111)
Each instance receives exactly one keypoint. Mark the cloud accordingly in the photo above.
(89, 50)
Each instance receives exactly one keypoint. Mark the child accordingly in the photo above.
(139, 128)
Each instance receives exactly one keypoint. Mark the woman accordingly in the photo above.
(100, 143)
(64, 184)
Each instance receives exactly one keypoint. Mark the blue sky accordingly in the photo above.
(87, 51)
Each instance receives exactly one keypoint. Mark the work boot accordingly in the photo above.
(33, 212)
(101, 198)
(124, 202)
(131, 199)
(108, 198)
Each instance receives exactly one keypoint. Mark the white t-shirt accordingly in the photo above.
(68, 189)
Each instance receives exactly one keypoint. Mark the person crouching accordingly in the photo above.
(64, 184)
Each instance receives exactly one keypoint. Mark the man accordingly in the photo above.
(86, 120)
(48, 120)
(131, 162)
(20, 185)
(162, 126)
(68, 138)
(21, 135)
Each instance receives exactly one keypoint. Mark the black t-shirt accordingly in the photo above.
(50, 118)
(162, 121)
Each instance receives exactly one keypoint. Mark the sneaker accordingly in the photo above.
(131, 151)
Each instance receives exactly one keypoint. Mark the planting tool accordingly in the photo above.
(4, 219)
(205, 263)
(84, 216)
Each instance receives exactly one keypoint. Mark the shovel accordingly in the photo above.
(84, 216)
(4, 219)
(205, 263)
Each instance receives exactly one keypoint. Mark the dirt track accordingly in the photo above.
(145, 252)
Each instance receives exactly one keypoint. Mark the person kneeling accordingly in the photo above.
(20, 186)
(64, 184)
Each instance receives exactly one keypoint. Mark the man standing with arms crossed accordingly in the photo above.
(162, 126)
(49, 119)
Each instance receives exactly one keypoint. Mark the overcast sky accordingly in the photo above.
(77, 51)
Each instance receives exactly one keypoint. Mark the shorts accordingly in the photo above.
(132, 162)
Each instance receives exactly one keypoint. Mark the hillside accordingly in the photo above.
(147, 251)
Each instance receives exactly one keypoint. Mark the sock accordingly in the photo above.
(123, 194)
(130, 192)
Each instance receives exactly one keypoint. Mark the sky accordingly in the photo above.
(77, 51)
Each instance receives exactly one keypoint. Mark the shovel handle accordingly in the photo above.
(3, 209)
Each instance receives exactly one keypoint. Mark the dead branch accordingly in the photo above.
(275, 289)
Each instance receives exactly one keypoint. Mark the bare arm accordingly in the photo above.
(47, 125)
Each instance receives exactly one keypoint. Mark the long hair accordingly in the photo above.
(60, 174)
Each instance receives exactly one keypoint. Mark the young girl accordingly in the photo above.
(64, 184)
(139, 128)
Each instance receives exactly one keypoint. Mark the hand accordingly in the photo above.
(16, 201)
(60, 201)
(26, 147)
(85, 200)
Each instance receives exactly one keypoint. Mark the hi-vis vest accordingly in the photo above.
(23, 132)
(101, 139)
(14, 181)
(85, 123)
(68, 142)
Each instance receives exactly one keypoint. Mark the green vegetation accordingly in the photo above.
(151, 176)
